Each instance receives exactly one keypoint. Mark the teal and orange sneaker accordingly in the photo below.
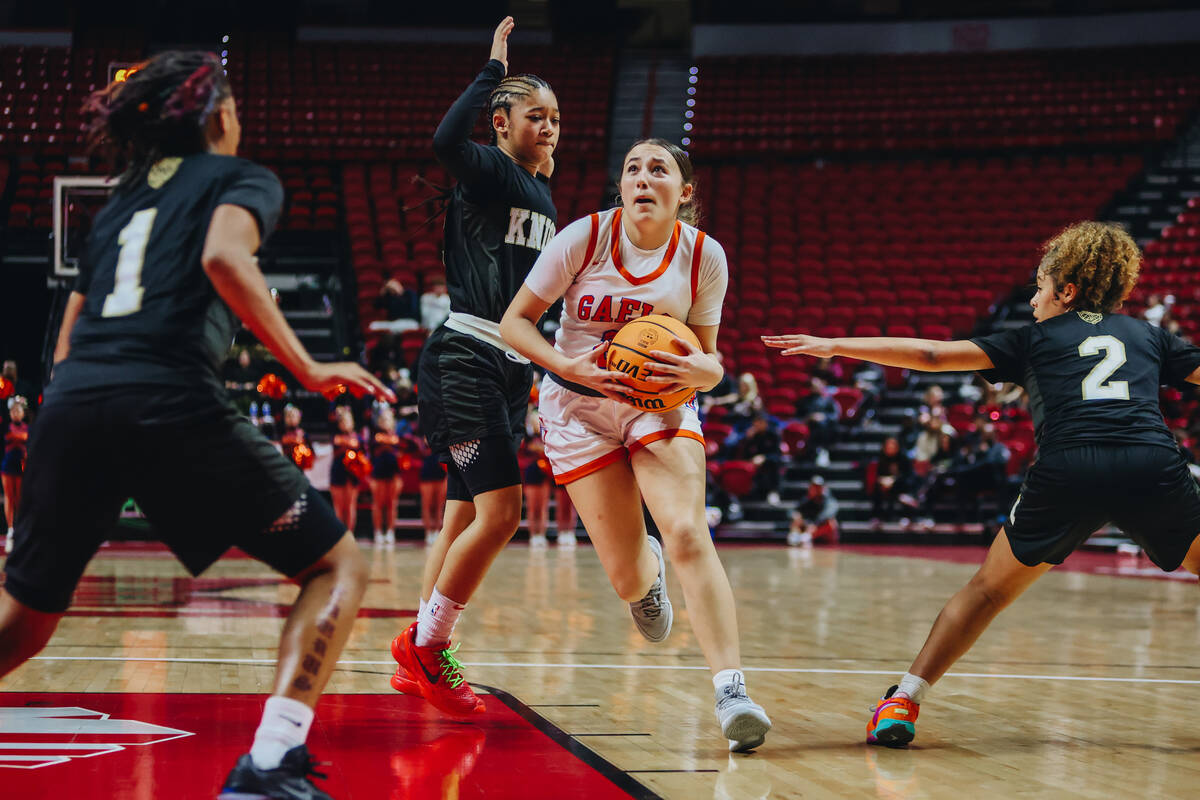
(893, 721)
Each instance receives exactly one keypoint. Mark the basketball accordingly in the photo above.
(630, 353)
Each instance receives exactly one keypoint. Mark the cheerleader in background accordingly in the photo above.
(12, 467)
(293, 435)
(433, 495)
(343, 485)
(385, 475)
(536, 477)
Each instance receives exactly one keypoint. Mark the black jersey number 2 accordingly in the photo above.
(1094, 386)
(126, 296)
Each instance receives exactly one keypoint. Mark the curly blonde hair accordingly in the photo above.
(1098, 257)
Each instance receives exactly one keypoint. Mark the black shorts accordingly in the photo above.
(205, 478)
(469, 391)
(1146, 491)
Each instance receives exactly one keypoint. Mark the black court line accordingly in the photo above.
(607, 769)
(671, 770)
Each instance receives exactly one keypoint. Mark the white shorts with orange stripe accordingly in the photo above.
(582, 434)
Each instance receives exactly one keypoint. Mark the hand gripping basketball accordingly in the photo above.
(661, 360)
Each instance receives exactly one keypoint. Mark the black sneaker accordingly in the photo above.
(288, 781)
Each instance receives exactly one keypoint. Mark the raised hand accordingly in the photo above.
(500, 41)
(797, 344)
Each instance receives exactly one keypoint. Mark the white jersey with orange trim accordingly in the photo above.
(605, 281)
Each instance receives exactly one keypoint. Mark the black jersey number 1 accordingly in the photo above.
(126, 296)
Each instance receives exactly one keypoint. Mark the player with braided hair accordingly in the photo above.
(1104, 452)
(473, 387)
(167, 271)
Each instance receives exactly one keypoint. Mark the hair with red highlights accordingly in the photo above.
(160, 110)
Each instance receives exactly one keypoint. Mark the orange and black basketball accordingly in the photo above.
(630, 353)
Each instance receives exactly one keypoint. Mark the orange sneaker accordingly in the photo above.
(403, 681)
(893, 721)
(437, 673)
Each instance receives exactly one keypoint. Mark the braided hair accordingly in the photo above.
(509, 91)
(1098, 257)
(161, 110)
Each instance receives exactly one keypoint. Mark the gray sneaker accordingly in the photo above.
(743, 722)
(652, 614)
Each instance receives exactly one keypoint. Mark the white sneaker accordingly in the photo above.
(538, 541)
(822, 457)
(799, 539)
(389, 537)
(743, 722)
(566, 540)
(430, 537)
(773, 498)
(378, 537)
(653, 613)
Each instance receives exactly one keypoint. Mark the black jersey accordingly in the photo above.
(500, 217)
(151, 316)
(1092, 378)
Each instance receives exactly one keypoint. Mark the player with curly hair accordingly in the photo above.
(1105, 454)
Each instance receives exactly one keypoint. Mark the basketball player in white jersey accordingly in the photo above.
(640, 258)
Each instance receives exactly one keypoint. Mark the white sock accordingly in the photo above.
(285, 724)
(421, 610)
(728, 676)
(914, 687)
(441, 613)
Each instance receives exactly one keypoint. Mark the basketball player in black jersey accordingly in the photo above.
(1104, 452)
(167, 271)
(473, 388)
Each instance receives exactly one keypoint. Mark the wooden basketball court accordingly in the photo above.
(1085, 688)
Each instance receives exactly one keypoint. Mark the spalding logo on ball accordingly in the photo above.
(630, 353)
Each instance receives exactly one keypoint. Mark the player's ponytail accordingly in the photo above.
(161, 110)
(1098, 257)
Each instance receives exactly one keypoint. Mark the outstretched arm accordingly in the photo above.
(927, 355)
(229, 262)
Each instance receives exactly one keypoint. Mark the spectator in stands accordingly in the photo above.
(762, 446)
(293, 435)
(815, 519)
(21, 387)
(748, 401)
(820, 412)
(893, 477)
(1157, 307)
(400, 305)
(933, 400)
(910, 432)
(384, 352)
(725, 393)
(933, 429)
(830, 371)
(435, 304)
